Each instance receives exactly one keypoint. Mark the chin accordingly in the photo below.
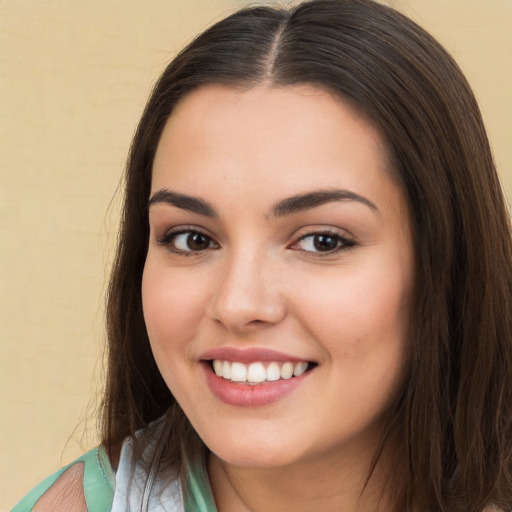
(254, 459)
(253, 453)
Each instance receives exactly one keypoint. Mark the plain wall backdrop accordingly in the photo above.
(74, 78)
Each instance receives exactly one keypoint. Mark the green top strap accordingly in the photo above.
(199, 496)
(99, 483)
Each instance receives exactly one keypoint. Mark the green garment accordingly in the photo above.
(99, 485)
(199, 496)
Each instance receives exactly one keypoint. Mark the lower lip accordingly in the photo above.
(251, 395)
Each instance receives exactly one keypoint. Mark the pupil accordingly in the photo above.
(197, 242)
(325, 243)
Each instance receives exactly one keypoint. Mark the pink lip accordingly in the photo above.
(249, 355)
(248, 395)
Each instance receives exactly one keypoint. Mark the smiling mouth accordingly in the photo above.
(258, 372)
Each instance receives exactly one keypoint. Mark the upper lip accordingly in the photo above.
(249, 355)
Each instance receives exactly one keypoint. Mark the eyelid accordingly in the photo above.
(167, 237)
(347, 242)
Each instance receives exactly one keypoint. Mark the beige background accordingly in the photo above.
(74, 77)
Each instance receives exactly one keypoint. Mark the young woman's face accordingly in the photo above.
(279, 243)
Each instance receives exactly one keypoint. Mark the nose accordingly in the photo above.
(248, 296)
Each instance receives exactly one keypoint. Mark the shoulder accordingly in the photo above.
(85, 484)
(67, 493)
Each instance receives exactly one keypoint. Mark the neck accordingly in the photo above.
(336, 482)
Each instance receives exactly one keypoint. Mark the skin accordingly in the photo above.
(258, 280)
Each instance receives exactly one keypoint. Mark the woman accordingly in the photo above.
(309, 308)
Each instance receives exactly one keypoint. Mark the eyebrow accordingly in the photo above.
(309, 200)
(192, 204)
(288, 206)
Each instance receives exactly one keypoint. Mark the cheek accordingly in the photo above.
(360, 315)
(363, 326)
(172, 310)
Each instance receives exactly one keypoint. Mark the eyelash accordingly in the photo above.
(170, 236)
(343, 243)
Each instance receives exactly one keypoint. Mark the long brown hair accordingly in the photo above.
(454, 417)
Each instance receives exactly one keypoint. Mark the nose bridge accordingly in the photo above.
(248, 292)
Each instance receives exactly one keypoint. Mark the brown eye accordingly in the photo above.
(197, 242)
(320, 242)
(185, 242)
(323, 243)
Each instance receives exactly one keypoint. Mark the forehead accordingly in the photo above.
(270, 140)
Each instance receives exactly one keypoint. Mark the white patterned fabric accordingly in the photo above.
(131, 479)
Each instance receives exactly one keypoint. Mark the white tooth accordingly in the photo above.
(256, 373)
(226, 369)
(299, 369)
(238, 372)
(287, 370)
(218, 367)
(273, 372)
